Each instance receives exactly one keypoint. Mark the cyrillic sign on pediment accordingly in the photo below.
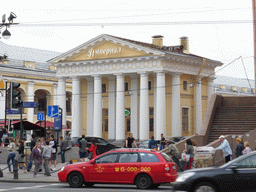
(107, 50)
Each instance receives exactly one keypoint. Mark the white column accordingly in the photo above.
(198, 105)
(210, 88)
(155, 104)
(144, 107)
(62, 99)
(112, 107)
(97, 117)
(134, 105)
(176, 114)
(90, 97)
(120, 114)
(2, 104)
(76, 108)
(55, 89)
(31, 99)
(161, 107)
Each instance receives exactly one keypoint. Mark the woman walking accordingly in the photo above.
(21, 156)
(11, 156)
(247, 148)
(37, 157)
(93, 148)
(190, 151)
(47, 156)
(239, 147)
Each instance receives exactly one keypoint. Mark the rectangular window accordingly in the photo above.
(185, 85)
(104, 88)
(126, 86)
(106, 125)
(185, 119)
(151, 111)
(149, 86)
(128, 125)
(151, 126)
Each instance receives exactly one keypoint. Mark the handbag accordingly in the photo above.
(90, 156)
(185, 157)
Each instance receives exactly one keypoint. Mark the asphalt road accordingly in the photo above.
(63, 187)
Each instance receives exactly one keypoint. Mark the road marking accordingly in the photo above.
(22, 188)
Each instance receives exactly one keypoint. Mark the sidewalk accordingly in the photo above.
(29, 176)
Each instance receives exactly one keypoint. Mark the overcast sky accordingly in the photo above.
(227, 36)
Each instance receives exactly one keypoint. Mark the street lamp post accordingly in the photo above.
(6, 34)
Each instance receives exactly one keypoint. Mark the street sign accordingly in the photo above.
(40, 116)
(126, 112)
(53, 111)
(29, 104)
(57, 123)
(12, 111)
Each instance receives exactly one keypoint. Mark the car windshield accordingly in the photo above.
(145, 142)
(102, 141)
(166, 157)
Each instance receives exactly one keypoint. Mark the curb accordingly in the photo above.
(26, 181)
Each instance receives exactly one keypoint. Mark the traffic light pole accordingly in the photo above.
(5, 113)
(45, 105)
(21, 126)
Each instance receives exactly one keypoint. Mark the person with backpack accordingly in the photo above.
(152, 144)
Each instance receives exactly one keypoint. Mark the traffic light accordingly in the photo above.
(15, 98)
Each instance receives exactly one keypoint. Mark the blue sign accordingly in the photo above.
(53, 111)
(40, 116)
(57, 124)
(29, 104)
(12, 111)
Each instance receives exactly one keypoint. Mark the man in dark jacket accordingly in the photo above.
(63, 147)
(82, 148)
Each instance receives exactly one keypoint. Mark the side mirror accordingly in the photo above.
(93, 161)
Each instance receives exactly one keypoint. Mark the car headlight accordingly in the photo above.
(185, 176)
(62, 169)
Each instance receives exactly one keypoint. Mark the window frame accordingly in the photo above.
(187, 107)
(186, 86)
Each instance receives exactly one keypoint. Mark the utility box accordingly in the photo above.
(204, 157)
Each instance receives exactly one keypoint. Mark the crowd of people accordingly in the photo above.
(43, 153)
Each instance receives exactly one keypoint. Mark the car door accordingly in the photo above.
(126, 167)
(245, 174)
(103, 168)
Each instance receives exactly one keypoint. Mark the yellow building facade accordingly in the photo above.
(165, 88)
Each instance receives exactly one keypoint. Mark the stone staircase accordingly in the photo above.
(232, 120)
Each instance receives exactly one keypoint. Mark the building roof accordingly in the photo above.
(232, 81)
(26, 53)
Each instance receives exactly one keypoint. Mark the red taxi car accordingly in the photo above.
(145, 168)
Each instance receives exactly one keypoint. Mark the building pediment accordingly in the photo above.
(105, 47)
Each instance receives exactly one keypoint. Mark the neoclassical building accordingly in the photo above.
(165, 88)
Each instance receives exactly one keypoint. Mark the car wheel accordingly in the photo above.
(76, 180)
(204, 187)
(143, 181)
(88, 184)
(154, 186)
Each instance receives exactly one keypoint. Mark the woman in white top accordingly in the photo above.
(11, 156)
(247, 148)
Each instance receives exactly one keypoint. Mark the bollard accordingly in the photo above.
(15, 170)
(1, 173)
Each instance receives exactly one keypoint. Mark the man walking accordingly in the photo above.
(47, 156)
(225, 147)
(53, 144)
(82, 149)
(63, 147)
(173, 152)
(162, 142)
(129, 141)
(32, 145)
